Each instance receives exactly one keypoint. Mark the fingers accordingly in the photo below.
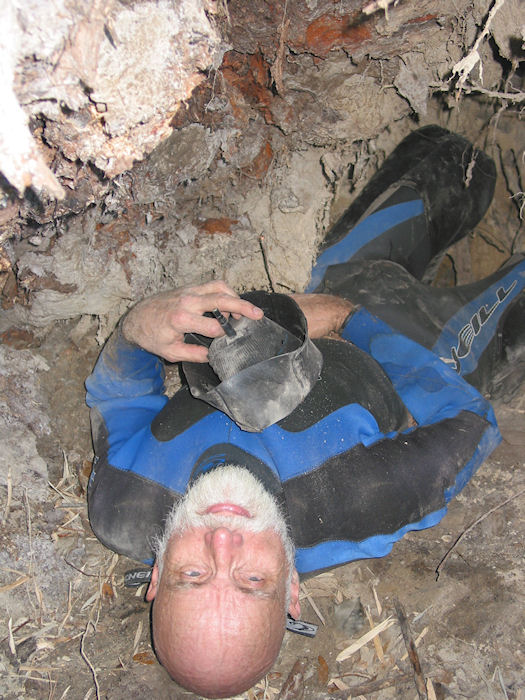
(187, 316)
(225, 302)
(186, 352)
(183, 321)
(158, 324)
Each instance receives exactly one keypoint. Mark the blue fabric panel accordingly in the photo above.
(365, 231)
(429, 388)
(124, 370)
(171, 463)
(295, 453)
(288, 454)
(327, 554)
(469, 331)
(126, 387)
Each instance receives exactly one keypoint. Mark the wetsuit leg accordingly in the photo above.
(472, 327)
(431, 191)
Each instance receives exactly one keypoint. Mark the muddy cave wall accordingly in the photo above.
(145, 145)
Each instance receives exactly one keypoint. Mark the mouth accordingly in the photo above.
(228, 508)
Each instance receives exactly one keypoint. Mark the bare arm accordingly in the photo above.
(324, 313)
(158, 323)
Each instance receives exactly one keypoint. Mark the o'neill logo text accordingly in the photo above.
(469, 332)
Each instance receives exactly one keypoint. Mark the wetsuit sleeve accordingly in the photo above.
(126, 389)
(125, 393)
(362, 500)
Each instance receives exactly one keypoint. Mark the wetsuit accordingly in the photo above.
(390, 433)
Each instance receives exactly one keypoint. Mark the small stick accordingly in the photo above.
(377, 642)
(19, 627)
(310, 599)
(12, 645)
(88, 662)
(375, 685)
(476, 522)
(419, 679)
(15, 584)
(9, 496)
(364, 639)
(136, 641)
(262, 246)
(68, 613)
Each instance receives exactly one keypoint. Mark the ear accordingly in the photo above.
(154, 584)
(294, 609)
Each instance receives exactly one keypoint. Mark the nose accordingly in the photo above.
(223, 544)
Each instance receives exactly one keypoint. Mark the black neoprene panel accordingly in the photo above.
(349, 375)
(351, 495)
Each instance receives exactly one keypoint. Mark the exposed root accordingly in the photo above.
(462, 69)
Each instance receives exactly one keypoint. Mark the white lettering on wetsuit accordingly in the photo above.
(468, 333)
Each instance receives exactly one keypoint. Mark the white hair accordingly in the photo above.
(230, 484)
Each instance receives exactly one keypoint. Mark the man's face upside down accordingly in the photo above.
(223, 583)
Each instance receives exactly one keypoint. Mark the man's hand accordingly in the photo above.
(324, 313)
(158, 323)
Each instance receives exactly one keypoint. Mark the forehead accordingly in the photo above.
(224, 607)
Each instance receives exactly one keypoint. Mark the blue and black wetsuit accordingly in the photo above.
(390, 433)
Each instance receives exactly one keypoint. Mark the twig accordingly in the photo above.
(375, 685)
(9, 496)
(377, 642)
(84, 656)
(64, 495)
(66, 472)
(355, 646)
(476, 522)
(416, 641)
(80, 571)
(430, 690)
(29, 532)
(18, 627)
(12, 645)
(419, 679)
(15, 584)
(136, 641)
(312, 603)
(277, 69)
(68, 613)
(507, 96)
(262, 246)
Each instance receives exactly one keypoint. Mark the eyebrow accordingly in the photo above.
(253, 592)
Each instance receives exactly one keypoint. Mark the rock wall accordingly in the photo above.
(257, 140)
